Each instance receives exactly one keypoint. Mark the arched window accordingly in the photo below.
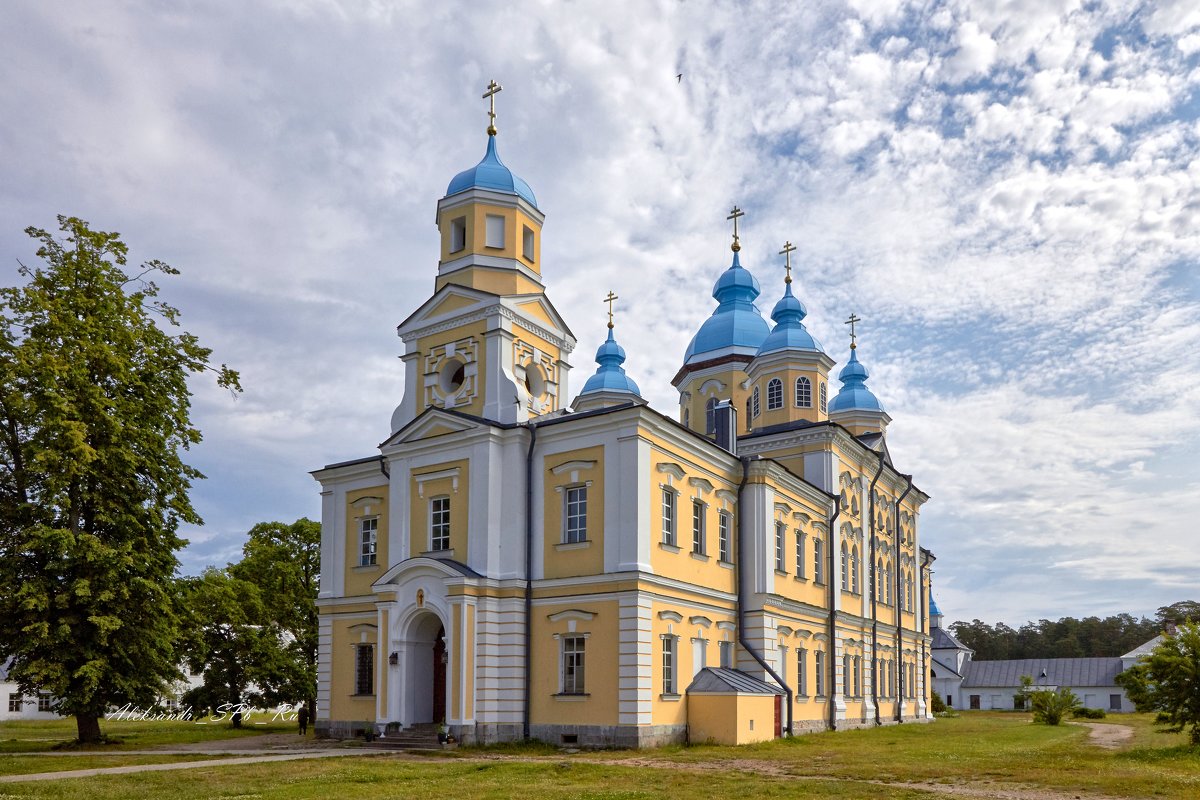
(824, 400)
(754, 402)
(908, 594)
(803, 393)
(710, 416)
(855, 581)
(887, 587)
(687, 418)
(877, 584)
(774, 394)
(845, 568)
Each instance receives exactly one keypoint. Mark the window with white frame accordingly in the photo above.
(855, 572)
(45, 701)
(801, 672)
(575, 514)
(494, 230)
(458, 234)
(364, 669)
(725, 651)
(818, 560)
(368, 531)
(710, 416)
(824, 399)
(668, 664)
(819, 672)
(573, 652)
(887, 583)
(698, 537)
(908, 592)
(699, 654)
(845, 568)
(527, 243)
(439, 523)
(846, 675)
(803, 392)
(780, 532)
(800, 536)
(724, 552)
(754, 407)
(774, 394)
(15, 701)
(668, 516)
(858, 676)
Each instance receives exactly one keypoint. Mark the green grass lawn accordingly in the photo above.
(29, 736)
(1003, 750)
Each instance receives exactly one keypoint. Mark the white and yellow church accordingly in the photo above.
(520, 561)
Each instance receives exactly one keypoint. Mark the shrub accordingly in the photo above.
(1050, 707)
(936, 702)
(1088, 713)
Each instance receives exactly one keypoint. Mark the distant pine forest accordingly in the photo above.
(1090, 637)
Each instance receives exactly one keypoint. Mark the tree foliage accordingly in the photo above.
(1091, 637)
(251, 629)
(1168, 681)
(1050, 706)
(94, 416)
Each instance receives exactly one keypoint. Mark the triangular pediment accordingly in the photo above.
(538, 308)
(433, 422)
(446, 303)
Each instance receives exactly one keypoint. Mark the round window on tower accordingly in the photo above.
(452, 375)
(535, 383)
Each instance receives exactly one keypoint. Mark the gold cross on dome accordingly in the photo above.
(609, 300)
(786, 252)
(490, 96)
(853, 319)
(733, 215)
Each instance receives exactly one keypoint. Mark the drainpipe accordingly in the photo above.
(875, 578)
(899, 618)
(383, 467)
(831, 582)
(741, 603)
(528, 577)
(927, 559)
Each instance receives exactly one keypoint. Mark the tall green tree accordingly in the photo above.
(94, 419)
(1168, 681)
(284, 562)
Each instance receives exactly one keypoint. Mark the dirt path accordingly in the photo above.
(1110, 737)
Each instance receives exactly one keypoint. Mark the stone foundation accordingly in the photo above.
(609, 736)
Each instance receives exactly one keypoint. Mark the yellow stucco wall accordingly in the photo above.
(474, 215)
(731, 719)
(422, 491)
(348, 631)
(362, 504)
(700, 390)
(789, 411)
(472, 333)
(575, 468)
(598, 706)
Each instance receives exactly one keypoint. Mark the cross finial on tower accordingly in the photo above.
(733, 215)
(609, 300)
(786, 252)
(853, 319)
(490, 96)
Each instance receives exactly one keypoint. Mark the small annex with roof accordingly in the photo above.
(520, 560)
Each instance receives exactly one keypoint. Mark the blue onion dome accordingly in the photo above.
(789, 332)
(610, 376)
(854, 394)
(933, 607)
(736, 325)
(490, 173)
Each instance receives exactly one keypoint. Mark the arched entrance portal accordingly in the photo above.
(423, 679)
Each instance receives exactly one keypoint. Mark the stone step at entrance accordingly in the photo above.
(422, 736)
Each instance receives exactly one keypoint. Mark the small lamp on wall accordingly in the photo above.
(394, 659)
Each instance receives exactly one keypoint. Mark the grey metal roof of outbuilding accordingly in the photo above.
(944, 640)
(1059, 672)
(1144, 649)
(720, 680)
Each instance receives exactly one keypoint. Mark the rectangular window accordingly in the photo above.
(818, 561)
(726, 653)
(668, 517)
(494, 231)
(846, 687)
(780, 531)
(858, 676)
(799, 553)
(368, 529)
(572, 664)
(458, 234)
(723, 551)
(364, 669)
(668, 664)
(15, 701)
(575, 515)
(891, 671)
(699, 655)
(697, 527)
(439, 523)
(527, 243)
(819, 671)
(45, 701)
(1114, 702)
(802, 672)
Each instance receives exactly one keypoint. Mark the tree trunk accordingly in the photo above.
(88, 726)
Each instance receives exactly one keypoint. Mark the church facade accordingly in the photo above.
(518, 561)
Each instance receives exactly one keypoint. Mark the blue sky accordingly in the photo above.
(1006, 192)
